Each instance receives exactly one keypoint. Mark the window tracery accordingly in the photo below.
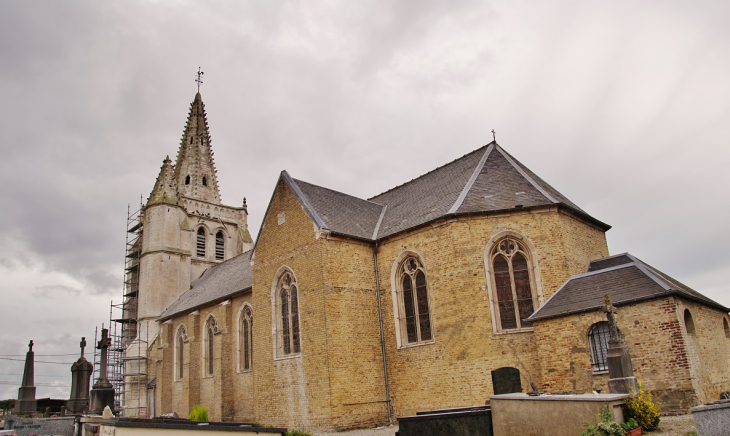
(513, 287)
(245, 339)
(211, 328)
(180, 338)
(287, 305)
(414, 311)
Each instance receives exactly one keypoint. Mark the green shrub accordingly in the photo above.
(297, 433)
(607, 427)
(630, 424)
(643, 409)
(199, 413)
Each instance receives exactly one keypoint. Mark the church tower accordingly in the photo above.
(185, 229)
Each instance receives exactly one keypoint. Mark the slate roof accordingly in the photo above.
(217, 283)
(486, 180)
(623, 276)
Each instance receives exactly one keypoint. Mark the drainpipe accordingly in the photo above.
(382, 335)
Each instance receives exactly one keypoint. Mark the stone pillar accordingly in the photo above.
(26, 394)
(102, 394)
(80, 376)
(621, 378)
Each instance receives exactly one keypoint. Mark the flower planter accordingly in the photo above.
(634, 432)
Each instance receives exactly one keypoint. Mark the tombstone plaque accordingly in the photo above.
(506, 380)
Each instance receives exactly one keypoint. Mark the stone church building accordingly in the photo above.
(349, 312)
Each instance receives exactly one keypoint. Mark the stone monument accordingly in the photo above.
(80, 374)
(26, 393)
(621, 378)
(102, 394)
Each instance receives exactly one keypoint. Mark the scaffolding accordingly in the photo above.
(132, 358)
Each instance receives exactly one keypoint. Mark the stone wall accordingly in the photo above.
(454, 370)
(663, 355)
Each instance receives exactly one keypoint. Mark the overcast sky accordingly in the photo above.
(622, 106)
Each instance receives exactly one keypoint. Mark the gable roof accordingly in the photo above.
(218, 283)
(623, 276)
(486, 180)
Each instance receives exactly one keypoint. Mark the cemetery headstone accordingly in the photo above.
(621, 378)
(26, 393)
(102, 394)
(80, 376)
(506, 380)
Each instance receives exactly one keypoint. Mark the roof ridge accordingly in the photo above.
(472, 179)
(380, 220)
(526, 176)
(429, 172)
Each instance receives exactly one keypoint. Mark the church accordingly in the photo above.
(348, 312)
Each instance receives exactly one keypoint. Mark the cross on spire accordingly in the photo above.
(199, 79)
(494, 135)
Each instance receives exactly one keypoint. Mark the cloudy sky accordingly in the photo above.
(623, 106)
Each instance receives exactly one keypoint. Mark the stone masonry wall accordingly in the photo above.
(353, 336)
(709, 349)
(454, 370)
(654, 335)
(293, 391)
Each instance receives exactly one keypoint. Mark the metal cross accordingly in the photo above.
(494, 135)
(200, 82)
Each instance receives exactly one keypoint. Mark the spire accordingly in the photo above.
(165, 190)
(195, 171)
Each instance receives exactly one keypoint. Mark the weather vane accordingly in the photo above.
(494, 135)
(200, 82)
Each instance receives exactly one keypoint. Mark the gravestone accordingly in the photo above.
(40, 426)
(26, 393)
(506, 380)
(621, 378)
(80, 374)
(102, 394)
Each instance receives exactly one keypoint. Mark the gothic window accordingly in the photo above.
(187, 180)
(245, 339)
(200, 243)
(211, 328)
(180, 337)
(191, 139)
(513, 291)
(414, 314)
(205, 181)
(219, 246)
(287, 310)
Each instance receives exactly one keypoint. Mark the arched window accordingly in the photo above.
(191, 139)
(187, 180)
(598, 337)
(287, 305)
(180, 337)
(211, 328)
(205, 181)
(513, 287)
(726, 327)
(414, 314)
(689, 323)
(219, 246)
(245, 339)
(200, 243)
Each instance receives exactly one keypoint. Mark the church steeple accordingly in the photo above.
(165, 190)
(195, 171)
